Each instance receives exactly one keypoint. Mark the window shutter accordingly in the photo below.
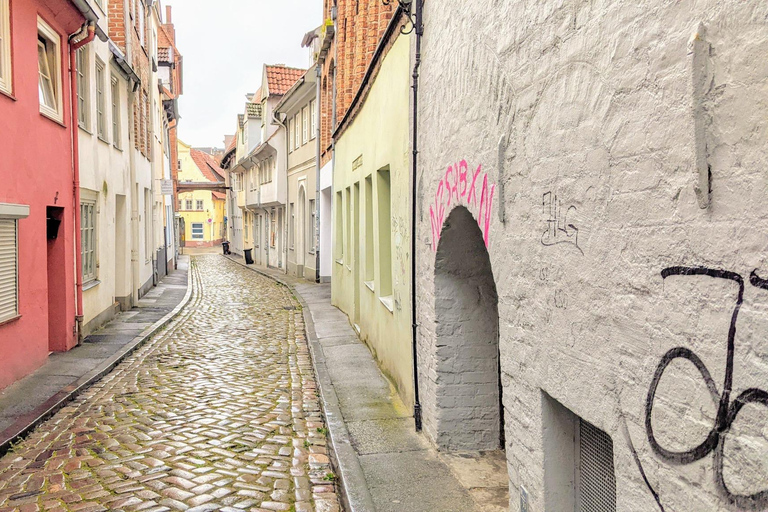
(8, 270)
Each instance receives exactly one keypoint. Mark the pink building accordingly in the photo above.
(39, 224)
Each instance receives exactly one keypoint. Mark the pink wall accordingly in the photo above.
(36, 170)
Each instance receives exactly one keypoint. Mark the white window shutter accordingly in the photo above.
(8, 270)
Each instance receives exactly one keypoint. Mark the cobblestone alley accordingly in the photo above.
(218, 412)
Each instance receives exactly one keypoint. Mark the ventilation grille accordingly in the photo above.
(596, 476)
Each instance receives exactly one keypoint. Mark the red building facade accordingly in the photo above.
(37, 183)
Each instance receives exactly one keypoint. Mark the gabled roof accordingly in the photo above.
(207, 165)
(281, 78)
(253, 109)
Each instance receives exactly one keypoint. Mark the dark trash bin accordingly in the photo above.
(225, 247)
(248, 257)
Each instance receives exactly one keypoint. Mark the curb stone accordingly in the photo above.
(353, 487)
(21, 428)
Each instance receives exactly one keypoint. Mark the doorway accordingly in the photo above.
(300, 228)
(468, 367)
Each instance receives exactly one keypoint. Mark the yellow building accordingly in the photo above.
(201, 210)
(371, 279)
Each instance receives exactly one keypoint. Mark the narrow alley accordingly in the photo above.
(218, 412)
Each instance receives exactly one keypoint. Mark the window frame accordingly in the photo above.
(101, 114)
(312, 228)
(188, 204)
(19, 212)
(89, 235)
(291, 134)
(304, 125)
(199, 205)
(114, 91)
(297, 133)
(45, 32)
(202, 230)
(83, 103)
(313, 119)
(6, 57)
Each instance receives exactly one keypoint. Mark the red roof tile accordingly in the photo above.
(282, 78)
(207, 165)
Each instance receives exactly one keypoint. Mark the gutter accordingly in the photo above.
(90, 15)
(318, 75)
(90, 30)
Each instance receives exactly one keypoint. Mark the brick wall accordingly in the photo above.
(360, 24)
(575, 134)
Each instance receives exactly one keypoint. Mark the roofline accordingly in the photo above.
(294, 88)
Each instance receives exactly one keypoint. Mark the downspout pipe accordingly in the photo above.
(316, 241)
(284, 126)
(419, 29)
(89, 29)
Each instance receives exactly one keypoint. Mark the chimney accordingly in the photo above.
(168, 19)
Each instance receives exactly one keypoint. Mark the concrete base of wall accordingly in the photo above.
(208, 243)
(125, 303)
(101, 319)
(145, 288)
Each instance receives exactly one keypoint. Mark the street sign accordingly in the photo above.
(210, 220)
(166, 187)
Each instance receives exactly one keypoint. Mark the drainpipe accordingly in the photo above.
(318, 77)
(90, 30)
(419, 29)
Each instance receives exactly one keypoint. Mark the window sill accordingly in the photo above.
(93, 283)
(117, 148)
(10, 320)
(290, 249)
(7, 94)
(84, 128)
(102, 139)
(348, 268)
(387, 301)
(52, 117)
(369, 284)
(340, 262)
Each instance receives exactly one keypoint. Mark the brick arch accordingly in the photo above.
(468, 413)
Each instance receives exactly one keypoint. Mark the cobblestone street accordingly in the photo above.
(218, 412)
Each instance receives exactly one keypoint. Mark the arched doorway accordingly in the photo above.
(469, 413)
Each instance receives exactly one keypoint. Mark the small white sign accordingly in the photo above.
(166, 187)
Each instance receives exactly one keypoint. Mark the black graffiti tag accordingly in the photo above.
(727, 409)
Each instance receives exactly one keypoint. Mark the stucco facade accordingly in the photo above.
(371, 218)
(626, 300)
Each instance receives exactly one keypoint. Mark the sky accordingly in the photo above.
(225, 44)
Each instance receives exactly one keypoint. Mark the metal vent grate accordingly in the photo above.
(595, 475)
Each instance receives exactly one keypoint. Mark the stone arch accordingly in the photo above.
(469, 413)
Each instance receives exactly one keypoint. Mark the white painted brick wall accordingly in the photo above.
(594, 102)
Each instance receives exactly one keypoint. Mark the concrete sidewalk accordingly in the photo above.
(383, 464)
(28, 402)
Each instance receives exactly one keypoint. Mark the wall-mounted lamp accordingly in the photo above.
(407, 8)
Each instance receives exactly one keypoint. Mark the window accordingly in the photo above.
(141, 23)
(337, 231)
(348, 225)
(9, 259)
(88, 239)
(81, 60)
(147, 224)
(101, 115)
(5, 48)
(312, 119)
(385, 234)
(296, 133)
(369, 276)
(115, 113)
(292, 228)
(49, 71)
(199, 204)
(181, 207)
(291, 138)
(189, 204)
(312, 226)
(197, 230)
(579, 470)
(304, 125)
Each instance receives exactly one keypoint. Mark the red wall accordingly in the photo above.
(36, 170)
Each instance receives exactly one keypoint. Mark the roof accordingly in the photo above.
(281, 78)
(207, 165)
(219, 195)
(253, 109)
(164, 54)
(232, 144)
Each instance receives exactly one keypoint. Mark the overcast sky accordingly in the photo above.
(225, 44)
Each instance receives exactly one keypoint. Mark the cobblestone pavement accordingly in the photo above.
(218, 412)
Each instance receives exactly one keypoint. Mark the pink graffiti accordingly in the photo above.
(459, 186)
